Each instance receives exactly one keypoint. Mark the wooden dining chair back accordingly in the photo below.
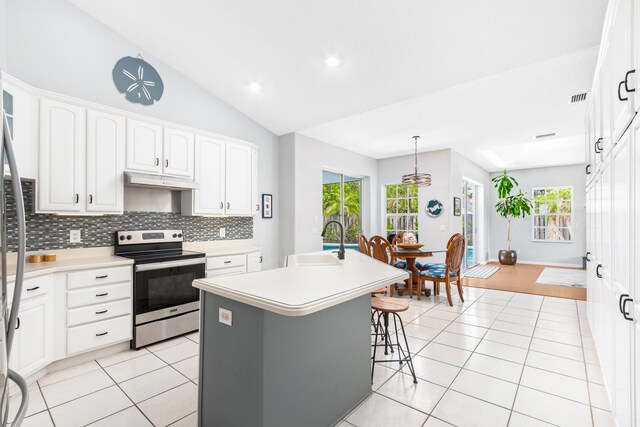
(363, 245)
(455, 252)
(381, 249)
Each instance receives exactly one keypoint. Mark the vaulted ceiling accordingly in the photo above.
(481, 77)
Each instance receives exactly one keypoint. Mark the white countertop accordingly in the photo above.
(67, 264)
(302, 290)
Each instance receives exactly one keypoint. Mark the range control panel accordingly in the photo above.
(148, 236)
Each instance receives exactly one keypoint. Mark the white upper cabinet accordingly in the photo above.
(105, 162)
(255, 196)
(62, 159)
(619, 60)
(178, 153)
(209, 198)
(238, 180)
(144, 147)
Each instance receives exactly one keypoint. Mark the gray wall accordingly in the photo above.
(521, 229)
(302, 160)
(53, 45)
(3, 34)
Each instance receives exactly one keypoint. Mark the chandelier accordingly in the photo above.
(415, 178)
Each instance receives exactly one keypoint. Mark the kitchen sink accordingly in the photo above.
(312, 260)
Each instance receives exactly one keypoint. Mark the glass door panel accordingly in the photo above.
(341, 201)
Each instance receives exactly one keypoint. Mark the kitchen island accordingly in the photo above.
(289, 346)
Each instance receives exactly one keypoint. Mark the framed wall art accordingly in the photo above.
(457, 206)
(267, 206)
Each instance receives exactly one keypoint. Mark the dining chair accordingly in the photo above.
(448, 272)
(363, 245)
(382, 250)
(427, 265)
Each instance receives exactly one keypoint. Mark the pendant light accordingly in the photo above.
(415, 178)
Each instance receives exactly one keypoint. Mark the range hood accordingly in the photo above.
(147, 180)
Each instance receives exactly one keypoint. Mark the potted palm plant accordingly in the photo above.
(510, 206)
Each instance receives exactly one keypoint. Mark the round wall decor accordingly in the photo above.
(138, 80)
(433, 208)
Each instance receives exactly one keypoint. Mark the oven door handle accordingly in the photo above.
(169, 264)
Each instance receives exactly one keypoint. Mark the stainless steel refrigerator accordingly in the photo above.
(8, 317)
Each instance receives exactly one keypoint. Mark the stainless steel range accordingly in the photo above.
(165, 303)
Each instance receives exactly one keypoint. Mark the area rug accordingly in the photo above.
(481, 272)
(563, 277)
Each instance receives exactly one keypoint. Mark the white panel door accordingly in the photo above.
(209, 199)
(238, 180)
(622, 328)
(105, 162)
(178, 153)
(605, 271)
(62, 159)
(255, 194)
(144, 147)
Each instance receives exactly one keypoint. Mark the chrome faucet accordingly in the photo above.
(324, 231)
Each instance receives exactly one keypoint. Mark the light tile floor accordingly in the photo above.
(499, 359)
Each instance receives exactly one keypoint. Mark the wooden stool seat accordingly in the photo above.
(389, 305)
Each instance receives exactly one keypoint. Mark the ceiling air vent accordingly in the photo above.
(545, 135)
(578, 97)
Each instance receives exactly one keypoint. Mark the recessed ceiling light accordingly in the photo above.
(255, 87)
(333, 61)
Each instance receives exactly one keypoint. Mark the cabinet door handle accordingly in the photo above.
(257, 207)
(102, 295)
(587, 256)
(166, 163)
(598, 274)
(227, 262)
(588, 169)
(221, 205)
(77, 199)
(101, 334)
(157, 161)
(104, 276)
(597, 147)
(101, 311)
(622, 296)
(620, 98)
(33, 289)
(18, 323)
(90, 199)
(228, 205)
(626, 81)
(260, 259)
(623, 307)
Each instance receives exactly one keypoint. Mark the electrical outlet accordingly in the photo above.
(223, 232)
(225, 316)
(75, 236)
(314, 230)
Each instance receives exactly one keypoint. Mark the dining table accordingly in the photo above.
(410, 256)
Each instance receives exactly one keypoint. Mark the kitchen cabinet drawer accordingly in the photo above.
(31, 288)
(94, 313)
(226, 261)
(101, 276)
(226, 271)
(99, 334)
(99, 294)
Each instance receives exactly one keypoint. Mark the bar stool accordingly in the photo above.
(383, 307)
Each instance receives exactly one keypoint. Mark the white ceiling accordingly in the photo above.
(464, 74)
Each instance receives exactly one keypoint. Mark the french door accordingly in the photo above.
(341, 201)
(469, 223)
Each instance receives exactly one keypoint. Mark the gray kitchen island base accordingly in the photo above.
(270, 370)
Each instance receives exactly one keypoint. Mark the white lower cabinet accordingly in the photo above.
(32, 340)
(99, 308)
(254, 262)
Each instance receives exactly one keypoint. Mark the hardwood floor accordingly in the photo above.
(522, 278)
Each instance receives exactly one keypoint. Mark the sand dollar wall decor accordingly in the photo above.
(433, 208)
(138, 80)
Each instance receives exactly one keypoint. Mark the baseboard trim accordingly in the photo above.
(551, 264)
